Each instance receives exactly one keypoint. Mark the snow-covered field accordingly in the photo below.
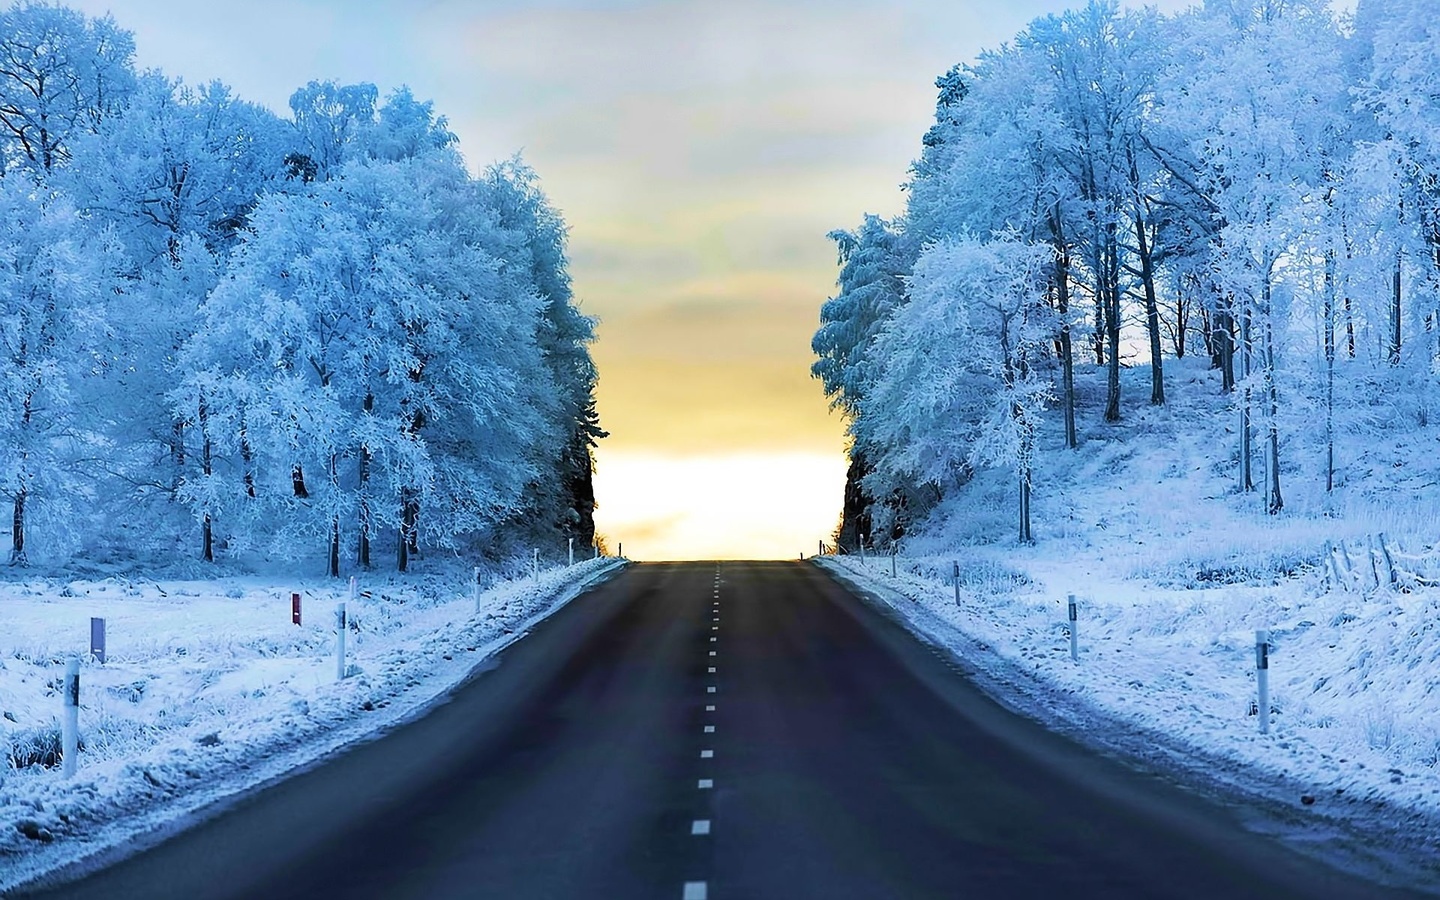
(209, 689)
(1174, 571)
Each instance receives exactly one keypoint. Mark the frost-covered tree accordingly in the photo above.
(61, 75)
(56, 274)
(873, 258)
(959, 387)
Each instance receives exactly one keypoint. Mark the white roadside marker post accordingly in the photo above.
(1262, 677)
(1074, 631)
(535, 564)
(70, 722)
(475, 590)
(572, 551)
(956, 578)
(862, 549)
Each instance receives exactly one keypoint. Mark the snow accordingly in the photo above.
(1174, 571)
(209, 690)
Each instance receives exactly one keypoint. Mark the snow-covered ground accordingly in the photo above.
(1174, 571)
(209, 689)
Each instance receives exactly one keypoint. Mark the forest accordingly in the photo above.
(1256, 182)
(229, 334)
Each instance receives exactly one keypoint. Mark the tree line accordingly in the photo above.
(224, 330)
(1258, 177)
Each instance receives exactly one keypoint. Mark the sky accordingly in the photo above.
(700, 152)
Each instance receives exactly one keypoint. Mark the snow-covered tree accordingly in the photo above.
(56, 275)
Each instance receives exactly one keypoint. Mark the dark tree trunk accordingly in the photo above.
(247, 457)
(297, 479)
(17, 530)
(1329, 316)
(363, 549)
(1395, 316)
(1112, 322)
(1247, 480)
(207, 529)
(1062, 304)
(1152, 313)
(334, 562)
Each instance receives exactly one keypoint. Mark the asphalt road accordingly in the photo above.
(741, 730)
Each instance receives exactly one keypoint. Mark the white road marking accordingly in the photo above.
(714, 639)
(710, 689)
(710, 708)
(707, 754)
(700, 826)
(712, 652)
(707, 784)
(709, 729)
(712, 670)
(695, 890)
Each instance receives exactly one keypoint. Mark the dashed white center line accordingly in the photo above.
(695, 890)
(709, 729)
(707, 754)
(714, 639)
(710, 707)
(712, 670)
(710, 689)
(706, 784)
(712, 652)
(700, 826)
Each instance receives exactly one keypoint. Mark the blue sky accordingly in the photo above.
(700, 152)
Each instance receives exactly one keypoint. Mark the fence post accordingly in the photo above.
(1262, 677)
(862, 549)
(294, 608)
(97, 639)
(620, 549)
(1389, 562)
(820, 548)
(956, 579)
(1074, 631)
(475, 590)
(70, 722)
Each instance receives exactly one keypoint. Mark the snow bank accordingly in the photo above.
(209, 689)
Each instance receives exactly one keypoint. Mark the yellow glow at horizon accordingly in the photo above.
(741, 505)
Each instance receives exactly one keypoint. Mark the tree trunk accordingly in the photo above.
(1247, 480)
(1329, 315)
(1272, 384)
(297, 479)
(177, 455)
(334, 564)
(1152, 312)
(1225, 342)
(1395, 315)
(1062, 304)
(1025, 535)
(363, 550)
(1112, 322)
(207, 530)
(17, 531)
(247, 457)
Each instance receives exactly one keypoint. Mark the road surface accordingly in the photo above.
(716, 731)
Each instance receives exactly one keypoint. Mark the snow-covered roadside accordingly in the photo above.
(1167, 676)
(222, 693)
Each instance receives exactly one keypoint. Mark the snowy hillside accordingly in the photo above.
(1174, 569)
